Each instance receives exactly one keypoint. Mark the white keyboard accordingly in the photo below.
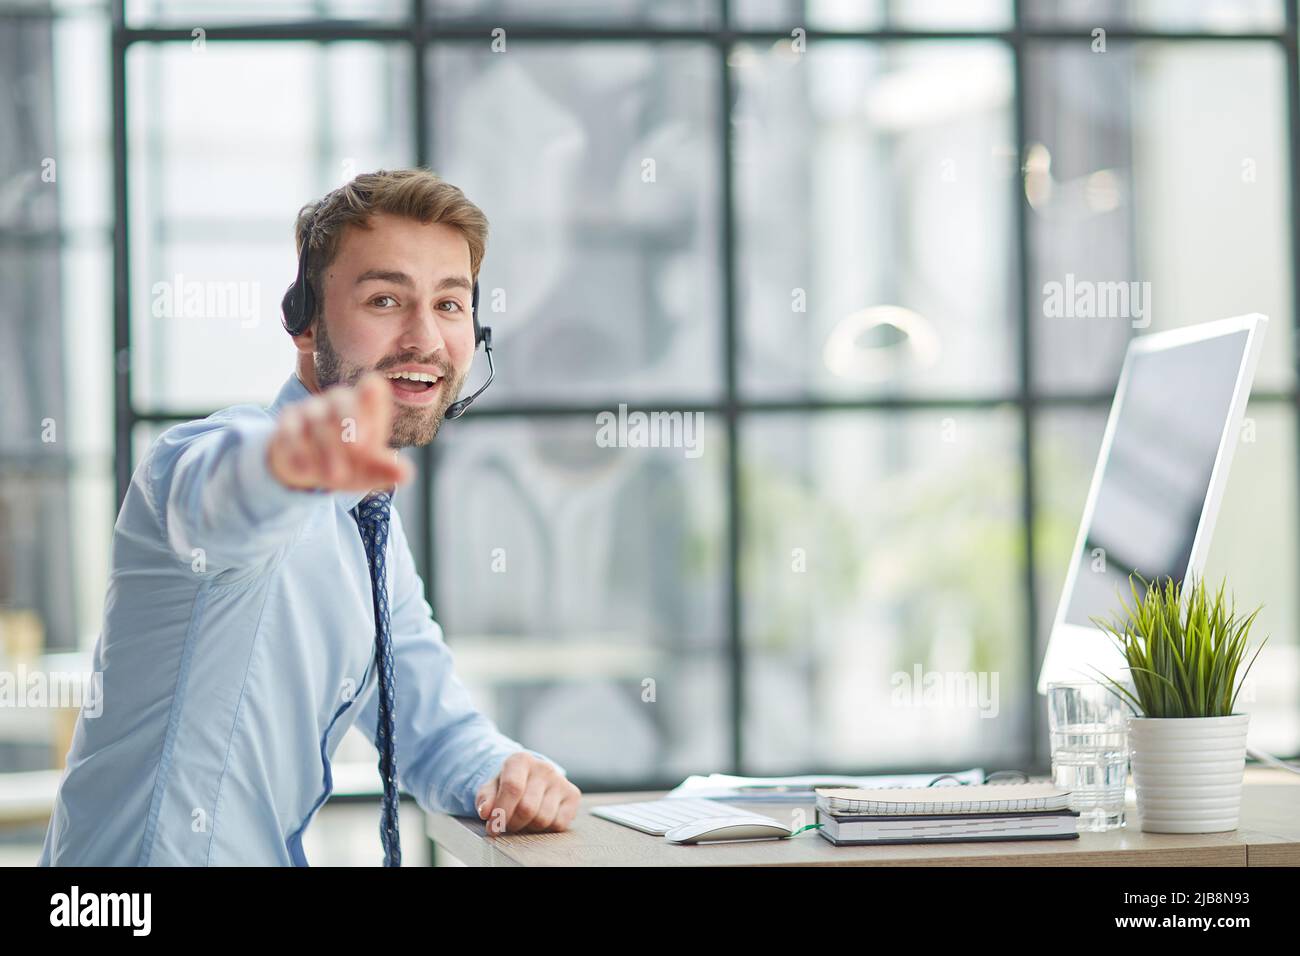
(657, 817)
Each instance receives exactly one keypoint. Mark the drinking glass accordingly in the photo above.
(1088, 722)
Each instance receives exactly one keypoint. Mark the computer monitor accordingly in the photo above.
(1174, 424)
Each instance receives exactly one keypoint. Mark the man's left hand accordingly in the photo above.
(528, 795)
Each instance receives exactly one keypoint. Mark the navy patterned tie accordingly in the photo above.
(372, 515)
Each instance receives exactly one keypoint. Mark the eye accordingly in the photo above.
(377, 300)
(455, 306)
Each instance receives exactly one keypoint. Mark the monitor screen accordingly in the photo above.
(1171, 421)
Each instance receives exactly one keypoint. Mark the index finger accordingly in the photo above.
(511, 784)
(483, 799)
(375, 399)
(385, 467)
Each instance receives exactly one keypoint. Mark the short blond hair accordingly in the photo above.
(417, 194)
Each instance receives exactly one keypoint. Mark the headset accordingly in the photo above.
(299, 304)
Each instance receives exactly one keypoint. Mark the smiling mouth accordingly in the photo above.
(413, 383)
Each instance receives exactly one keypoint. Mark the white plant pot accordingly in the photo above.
(1187, 772)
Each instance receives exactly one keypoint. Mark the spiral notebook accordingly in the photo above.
(973, 798)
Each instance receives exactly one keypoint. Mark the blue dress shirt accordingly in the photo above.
(237, 649)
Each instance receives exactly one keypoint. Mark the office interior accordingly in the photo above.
(824, 231)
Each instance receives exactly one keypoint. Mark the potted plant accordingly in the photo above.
(1184, 648)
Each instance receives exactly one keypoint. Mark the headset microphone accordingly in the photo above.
(481, 334)
(299, 305)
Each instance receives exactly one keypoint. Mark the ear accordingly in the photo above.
(305, 342)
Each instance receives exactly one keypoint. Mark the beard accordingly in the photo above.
(411, 425)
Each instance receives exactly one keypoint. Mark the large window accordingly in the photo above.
(824, 227)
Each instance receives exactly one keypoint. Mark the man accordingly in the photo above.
(263, 597)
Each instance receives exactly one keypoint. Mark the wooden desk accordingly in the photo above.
(1269, 835)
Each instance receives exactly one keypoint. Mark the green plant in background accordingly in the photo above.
(1183, 649)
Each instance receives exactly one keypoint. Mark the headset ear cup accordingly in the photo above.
(299, 304)
(308, 308)
(289, 309)
(297, 308)
(478, 329)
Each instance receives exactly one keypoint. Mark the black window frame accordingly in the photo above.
(418, 32)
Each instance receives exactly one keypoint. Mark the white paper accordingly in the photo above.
(721, 786)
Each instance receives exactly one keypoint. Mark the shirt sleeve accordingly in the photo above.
(213, 493)
(445, 748)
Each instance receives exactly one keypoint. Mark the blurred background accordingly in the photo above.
(826, 226)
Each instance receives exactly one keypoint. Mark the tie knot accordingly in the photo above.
(374, 507)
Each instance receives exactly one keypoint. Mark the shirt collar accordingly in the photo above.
(293, 390)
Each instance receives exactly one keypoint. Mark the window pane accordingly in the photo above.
(873, 14)
(875, 187)
(82, 50)
(55, 334)
(36, 541)
(883, 556)
(191, 13)
(1158, 186)
(1211, 16)
(226, 146)
(1255, 550)
(570, 574)
(56, 509)
(597, 167)
(1066, 443)
(652, 13)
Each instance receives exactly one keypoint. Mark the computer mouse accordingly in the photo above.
(726, 828)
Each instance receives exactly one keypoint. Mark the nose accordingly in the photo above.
(422, 332)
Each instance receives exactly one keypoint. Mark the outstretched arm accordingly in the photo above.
(236, 487)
